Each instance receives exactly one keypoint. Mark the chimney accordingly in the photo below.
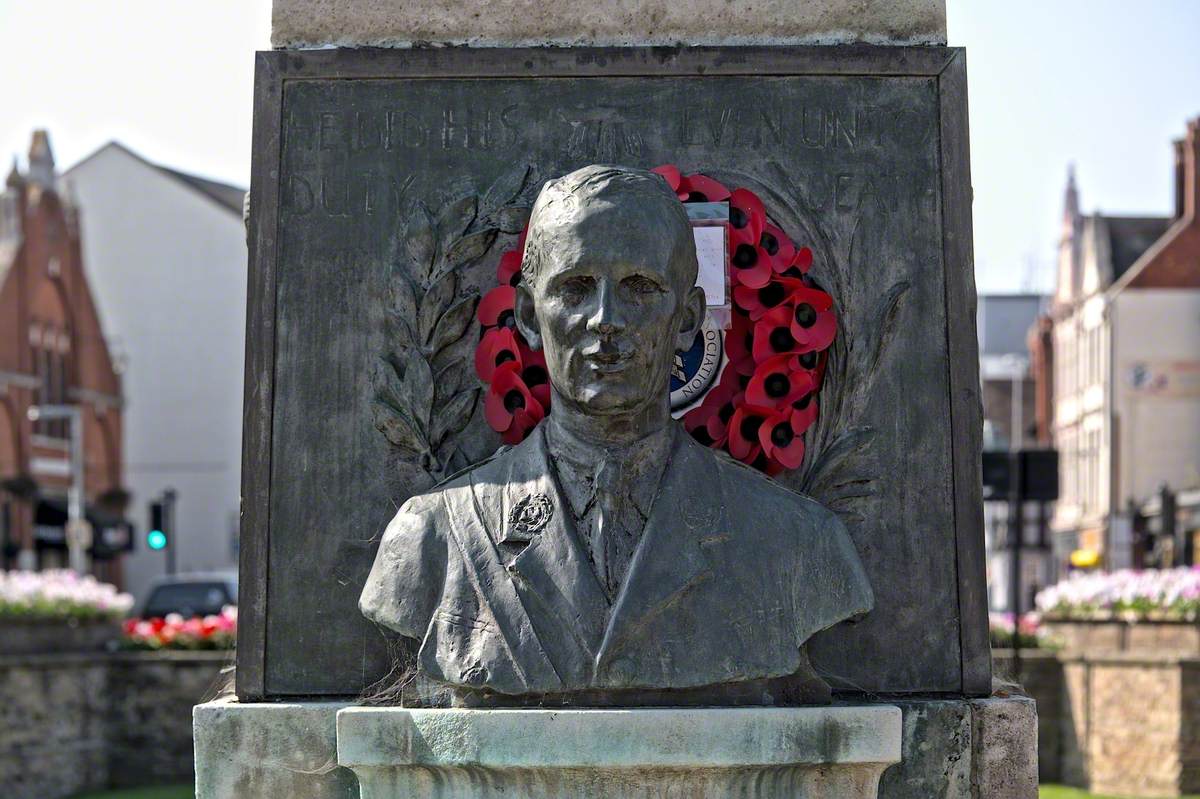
(1191, 171)
(1180, 170)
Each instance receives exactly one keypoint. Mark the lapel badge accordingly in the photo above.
(527, 518)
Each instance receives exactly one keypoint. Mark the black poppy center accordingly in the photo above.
(769, 243)
(776, 385)
(781, 340)
(696, 197)
(514, 401)
(808, 360)
(771, 294)
(806, 315)
(745, 256)
(504, 356)
(725, 412)
(749, 428)
(793, 271)
(701, 435)
(803, 402)
(782, 435)
(761, 463)
(535, 375)
(738, 218)
(506, 319)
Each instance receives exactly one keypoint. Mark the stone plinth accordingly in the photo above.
(708, 752)
(247, 751)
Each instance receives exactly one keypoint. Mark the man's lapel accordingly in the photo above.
(554, 569)
(670, 560)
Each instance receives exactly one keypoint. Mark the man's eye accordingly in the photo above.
(576, 287)
(641, 285)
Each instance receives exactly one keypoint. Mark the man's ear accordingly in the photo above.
(691, 319)
(526, 315)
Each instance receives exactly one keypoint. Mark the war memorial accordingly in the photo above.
(612, 418)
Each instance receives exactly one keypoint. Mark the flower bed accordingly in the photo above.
(1124, 595)
(1028, 632)
(58, 594)
(176, 632)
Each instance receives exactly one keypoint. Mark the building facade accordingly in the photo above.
(53, 352)
(1125, 334)
(166, 255)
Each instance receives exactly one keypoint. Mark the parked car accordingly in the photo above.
(199, 594)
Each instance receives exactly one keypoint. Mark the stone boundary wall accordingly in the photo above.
(81, 722)
(1116, 723)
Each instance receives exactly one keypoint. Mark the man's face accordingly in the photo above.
(610, 308)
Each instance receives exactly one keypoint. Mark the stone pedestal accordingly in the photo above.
(834, 752)
(948, 748)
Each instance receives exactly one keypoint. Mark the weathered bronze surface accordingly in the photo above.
(388, 183)
(609, 553)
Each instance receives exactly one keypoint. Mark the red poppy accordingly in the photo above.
(508, 271)
(804, 411)
(757, 302)
(744, 425)
(670, 173)
(497, 347)
(747, 218)
(509, 407)
(496, 307)
(534, 373)
(778, 246)
(773, 334)
(701, 189)
(813, 323)
(780, 441)
(776, 384)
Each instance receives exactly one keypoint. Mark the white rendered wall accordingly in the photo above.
(1158, 433)
(167, 266)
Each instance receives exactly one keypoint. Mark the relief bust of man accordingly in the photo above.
(609, 559)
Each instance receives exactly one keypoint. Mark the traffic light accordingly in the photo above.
(156, 536)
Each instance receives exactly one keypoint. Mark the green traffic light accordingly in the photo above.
(156, 539)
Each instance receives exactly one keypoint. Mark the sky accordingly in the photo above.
(1103, 84)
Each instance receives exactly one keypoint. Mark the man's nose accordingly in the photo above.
(607, 317)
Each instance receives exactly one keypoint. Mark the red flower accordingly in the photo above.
(670, 173)
(701, 189)
(775, 243)
(780, 440)
(496, 307)
(800, 263)
(509, 407)
(744, 425)
(757, 302)
(497, 347)
(773, 334)
(747, 218)
(776, 384)
(534, 373)
(813, 323)
(804, 411)
(508, 271)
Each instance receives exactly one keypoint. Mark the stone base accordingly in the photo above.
(957, 749)
(835, 752)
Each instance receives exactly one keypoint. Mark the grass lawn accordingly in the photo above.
(1060, 792)
(164, 792)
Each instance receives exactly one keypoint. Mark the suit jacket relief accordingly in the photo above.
(715, 593)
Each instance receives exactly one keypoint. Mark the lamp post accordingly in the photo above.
(78, 531)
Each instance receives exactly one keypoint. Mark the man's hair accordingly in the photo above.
(563, 197)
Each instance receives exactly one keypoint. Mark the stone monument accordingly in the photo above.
(594, 573)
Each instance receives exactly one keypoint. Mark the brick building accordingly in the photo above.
(52, 352)
(1122, 363)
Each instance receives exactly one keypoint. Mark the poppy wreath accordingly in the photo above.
(777, 346)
